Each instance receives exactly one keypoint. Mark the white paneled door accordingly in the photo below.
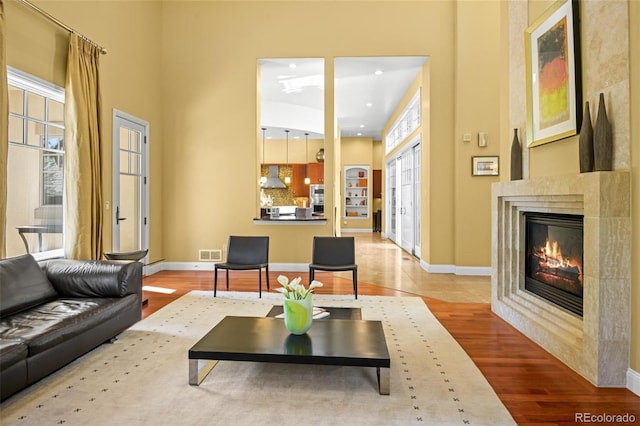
(417, 162)
(130, 201)
(392, 206)
(403, 198)
(406, 200)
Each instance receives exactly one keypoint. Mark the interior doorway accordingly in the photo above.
(130, 195)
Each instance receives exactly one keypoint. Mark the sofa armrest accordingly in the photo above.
(94, 278)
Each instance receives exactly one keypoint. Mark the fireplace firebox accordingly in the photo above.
(554, 256)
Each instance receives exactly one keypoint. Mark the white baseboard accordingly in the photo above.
(209, 266)
(457, 270)
(304, 267)
(152, 269)
(473, 270)
(187, 266)
(633, 381)
(437, 269)
(357, 230)
(289, 267)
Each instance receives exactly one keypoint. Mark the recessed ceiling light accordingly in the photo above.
(369, 104)
(362, 126)
(378, 72)
(292, 66)
(359, 133)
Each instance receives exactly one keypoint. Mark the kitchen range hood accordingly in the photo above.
(273, 181)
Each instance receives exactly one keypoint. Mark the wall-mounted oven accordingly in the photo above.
(316, 198)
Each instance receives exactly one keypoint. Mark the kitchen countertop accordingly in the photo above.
(291, 220)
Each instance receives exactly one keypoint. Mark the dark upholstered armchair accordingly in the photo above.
(245, 253)
(334, 254)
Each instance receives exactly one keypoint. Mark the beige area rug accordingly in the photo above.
(142, 379)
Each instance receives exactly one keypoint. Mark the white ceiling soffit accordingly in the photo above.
(368, 90)
(292, 97)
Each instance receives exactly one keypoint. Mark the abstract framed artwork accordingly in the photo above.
(554, 79)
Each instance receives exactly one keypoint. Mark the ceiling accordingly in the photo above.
(367, 92)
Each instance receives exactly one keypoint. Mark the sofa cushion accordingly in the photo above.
(53, 323)
(23, 285)
(12, 351)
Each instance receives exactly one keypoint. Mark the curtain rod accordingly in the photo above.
(62, 24)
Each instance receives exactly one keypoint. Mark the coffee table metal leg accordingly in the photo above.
(384, 378)
(199, 369)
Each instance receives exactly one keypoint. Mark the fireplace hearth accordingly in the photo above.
(596, 343)
(554, 258)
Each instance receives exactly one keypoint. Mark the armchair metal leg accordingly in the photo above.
(267, 272)
(215, 281)
(227, 271)
(355, 282)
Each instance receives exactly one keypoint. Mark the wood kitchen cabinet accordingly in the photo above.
(377, 183)
(316, 173)
(298, 187)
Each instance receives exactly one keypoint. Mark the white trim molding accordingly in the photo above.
(304, 267)
(209, 266)
(456, 270)
(473, 270)
(357, 230)
(437, 269)
(633, 381)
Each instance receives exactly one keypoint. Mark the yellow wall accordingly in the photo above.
(456, 207)
(477, 64)
(378, 155)
(203, 65)
(212, 49)
(634, 49)
(130, 75)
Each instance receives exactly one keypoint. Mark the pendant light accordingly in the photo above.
(287, 179)
(263, 179)
(307, 180)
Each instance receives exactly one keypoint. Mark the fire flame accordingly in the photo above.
(554, 257)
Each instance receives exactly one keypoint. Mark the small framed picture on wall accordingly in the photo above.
(485, 166)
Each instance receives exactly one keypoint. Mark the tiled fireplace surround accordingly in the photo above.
(597, 345)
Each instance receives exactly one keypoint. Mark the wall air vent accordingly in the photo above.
(210, 255)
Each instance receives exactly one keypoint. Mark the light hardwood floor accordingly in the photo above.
(534, 386)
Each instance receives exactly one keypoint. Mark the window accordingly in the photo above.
(35, 166)
(406, 124)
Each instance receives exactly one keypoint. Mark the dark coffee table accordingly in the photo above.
(329, 342)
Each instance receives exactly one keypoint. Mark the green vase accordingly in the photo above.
(298, 315)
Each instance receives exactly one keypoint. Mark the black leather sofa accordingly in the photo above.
(55, 311)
